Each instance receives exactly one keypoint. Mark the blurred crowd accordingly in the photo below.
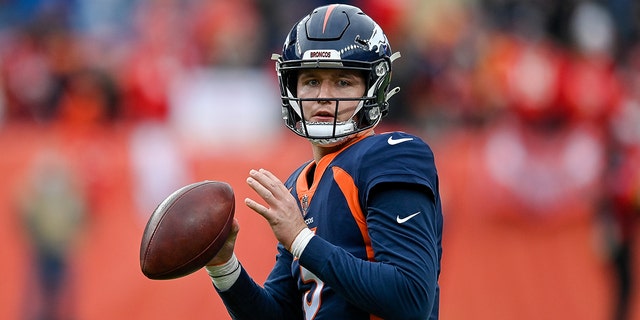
(552, 87)
(466, 62)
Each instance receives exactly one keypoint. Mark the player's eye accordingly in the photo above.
(343, 83)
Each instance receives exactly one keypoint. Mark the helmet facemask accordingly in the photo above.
(325, 133)
(368, 113)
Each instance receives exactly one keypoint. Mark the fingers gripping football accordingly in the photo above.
(281, 210)
(226, 251)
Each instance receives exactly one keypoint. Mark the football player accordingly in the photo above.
(360, 225)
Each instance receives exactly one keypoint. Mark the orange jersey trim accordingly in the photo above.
(350, 191)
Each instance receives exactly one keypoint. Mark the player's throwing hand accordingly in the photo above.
(282, 212)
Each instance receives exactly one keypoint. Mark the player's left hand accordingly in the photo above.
(282, 211)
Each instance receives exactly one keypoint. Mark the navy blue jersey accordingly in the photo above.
(375, 208)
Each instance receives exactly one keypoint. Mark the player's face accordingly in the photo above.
(329, 84)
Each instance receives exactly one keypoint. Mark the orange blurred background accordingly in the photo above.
(532, 109)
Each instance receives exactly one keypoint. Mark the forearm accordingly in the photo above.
(379, 288)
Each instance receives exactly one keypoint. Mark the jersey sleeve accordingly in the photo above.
(410, 162)
(278, 299)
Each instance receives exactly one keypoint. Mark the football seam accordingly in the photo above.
(152, 238)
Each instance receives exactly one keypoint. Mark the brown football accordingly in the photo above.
(186, 230)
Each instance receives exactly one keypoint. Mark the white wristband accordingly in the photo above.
(225, 275)
(301, 241)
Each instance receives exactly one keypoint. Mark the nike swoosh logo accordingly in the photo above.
(393, 141)
(407, 218)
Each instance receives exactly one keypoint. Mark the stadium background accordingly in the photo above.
(532, 108)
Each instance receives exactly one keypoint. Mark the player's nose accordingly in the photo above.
(325, 91)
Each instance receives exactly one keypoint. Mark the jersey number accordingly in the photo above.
(311, 299)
